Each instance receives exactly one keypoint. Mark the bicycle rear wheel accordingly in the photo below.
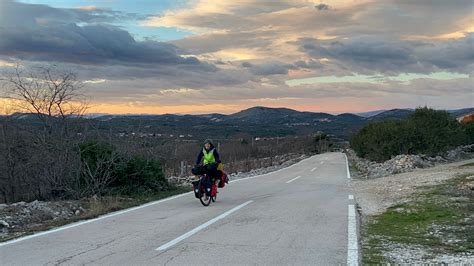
(214, 192)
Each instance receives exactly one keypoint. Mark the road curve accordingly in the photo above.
(303, 214)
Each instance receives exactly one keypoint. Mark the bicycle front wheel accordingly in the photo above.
(205, 199)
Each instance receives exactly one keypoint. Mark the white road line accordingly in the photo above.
(321, 162)
(202, 226)
(347, 167)
(352, 246)
(312, 170)
(128, 210)
(286, 168)
(351, 197)
(92, 220)
(289, 181)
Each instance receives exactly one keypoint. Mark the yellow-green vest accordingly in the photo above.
(208, 156)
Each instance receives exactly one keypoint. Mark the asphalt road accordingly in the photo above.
(298, 215)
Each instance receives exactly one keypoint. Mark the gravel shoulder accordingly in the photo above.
(374, 196)
(418, 217)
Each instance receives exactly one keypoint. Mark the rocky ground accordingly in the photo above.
(374, 196)
(366, 169)
(399, 181)
(19, 217)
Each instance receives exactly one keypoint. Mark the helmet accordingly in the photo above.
(208, 141)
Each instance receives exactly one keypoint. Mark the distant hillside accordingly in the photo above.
(255, 121)
(259, 113)
(404, 113)
(392, 114)
(461, 112)
(370, 113)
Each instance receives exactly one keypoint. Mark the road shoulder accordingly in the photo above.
(381, 200)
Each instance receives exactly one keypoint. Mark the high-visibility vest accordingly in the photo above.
(208, 156)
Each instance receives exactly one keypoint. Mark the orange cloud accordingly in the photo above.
(87, 8)
(139, 108)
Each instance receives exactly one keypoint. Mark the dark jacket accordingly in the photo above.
(201, 154)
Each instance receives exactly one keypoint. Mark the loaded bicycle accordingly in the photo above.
(205, 192)
(205, 187)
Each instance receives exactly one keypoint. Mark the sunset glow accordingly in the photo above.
(205, 56)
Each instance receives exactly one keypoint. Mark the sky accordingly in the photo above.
(204, 56)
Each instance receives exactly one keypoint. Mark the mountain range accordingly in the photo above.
(255, 121)
(262, 121)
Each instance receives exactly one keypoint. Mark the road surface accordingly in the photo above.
(303, 214)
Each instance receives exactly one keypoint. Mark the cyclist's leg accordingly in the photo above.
(211, 169)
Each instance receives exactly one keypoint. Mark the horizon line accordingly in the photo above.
(257, 106)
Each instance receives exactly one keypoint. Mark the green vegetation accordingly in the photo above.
(467, 165)
(426, 131)
(322, 143)
(469, 130)
(438, 218)
(105, 171)
(140, 175)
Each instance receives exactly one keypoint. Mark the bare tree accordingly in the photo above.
(37, 162)
(47, 92)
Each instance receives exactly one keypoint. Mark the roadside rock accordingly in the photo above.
(405, 163)
(4, 224)
(468, 186)
(418, 255)
(22, 215)
(461, 153)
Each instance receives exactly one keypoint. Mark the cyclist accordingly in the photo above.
(209, 157)
(210, 161)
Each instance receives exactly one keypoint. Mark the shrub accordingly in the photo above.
(426, 131)
(468, 129)
(432, 132)
(107, 171)
(140, 175)
(379, 141)
(98, 163)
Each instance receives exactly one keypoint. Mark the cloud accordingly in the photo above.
(94, 81)
(88, 8)
(178, 91)
(322, 7)
(20, 14)
(268, 68)
(356, 36)
(456, 54)
(244, 51)
(28, 33)
(370, 54)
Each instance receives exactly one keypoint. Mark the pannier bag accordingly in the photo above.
(196, 189)
(223, 179)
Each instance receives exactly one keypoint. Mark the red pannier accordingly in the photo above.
(223, 179)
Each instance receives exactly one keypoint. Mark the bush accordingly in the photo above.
(432, 132)
(98, 163)
(426, 131)
(468, 129)
(140, 175)
(379, 141)
(105, 171)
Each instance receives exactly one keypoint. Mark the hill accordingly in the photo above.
(256, 121)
